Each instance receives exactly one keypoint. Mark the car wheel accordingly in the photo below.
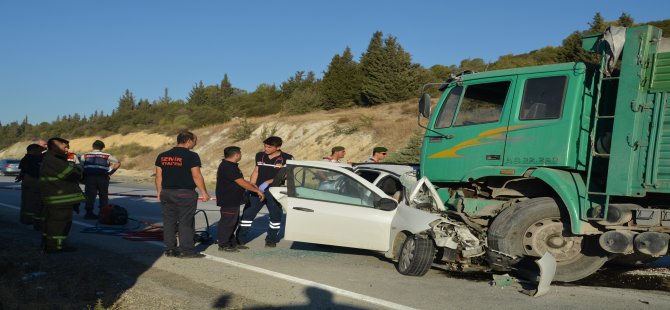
(533, 227)
(416, 256)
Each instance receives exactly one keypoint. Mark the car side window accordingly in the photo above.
(446, 115)
(368, 175)
(482, 103)
(329, 185)
(543, 98)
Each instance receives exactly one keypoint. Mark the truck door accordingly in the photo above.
(545, 132)
(469, 129)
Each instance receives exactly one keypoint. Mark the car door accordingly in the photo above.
(334, 206)
(470, 129)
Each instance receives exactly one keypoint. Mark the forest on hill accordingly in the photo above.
(383, 73)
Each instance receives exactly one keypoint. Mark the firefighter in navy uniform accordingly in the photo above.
(31, 206)
(98, 166)
(268, 164)
(59, 187)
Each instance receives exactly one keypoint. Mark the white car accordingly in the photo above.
(376, 207)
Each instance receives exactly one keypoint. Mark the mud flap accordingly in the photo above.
(547, 265)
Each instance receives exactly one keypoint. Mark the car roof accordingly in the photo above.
(396, 169)
(317, 163)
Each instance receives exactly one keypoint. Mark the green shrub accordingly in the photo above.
(128, 150)
(243, 130)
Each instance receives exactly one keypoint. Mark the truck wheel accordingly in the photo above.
(533, 227)
(416, 256)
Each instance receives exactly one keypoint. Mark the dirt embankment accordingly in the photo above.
(307, 137)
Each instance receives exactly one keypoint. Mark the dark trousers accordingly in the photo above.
(56, 226)
(94, 185)
(230, 217)
(250, 212)
(31, 204)
(178, 207)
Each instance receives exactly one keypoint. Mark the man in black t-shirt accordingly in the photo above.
(268, 164)
(230, 186)
(177, 175)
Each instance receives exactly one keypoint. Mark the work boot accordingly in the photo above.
(90, 216)
(171, 253)
(228, 248)
(241, 247)
(269, 244)
(191, 255)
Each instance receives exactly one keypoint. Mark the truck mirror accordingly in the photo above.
(424, 105)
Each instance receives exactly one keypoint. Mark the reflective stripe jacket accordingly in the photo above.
(59, 180)
(97, 162)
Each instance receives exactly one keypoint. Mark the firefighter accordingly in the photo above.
(98, 166)
(31, 206)
(59, 187)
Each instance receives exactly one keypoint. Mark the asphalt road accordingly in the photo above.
(299, 275)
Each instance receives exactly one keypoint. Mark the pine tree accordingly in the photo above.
(387, 71)
(374, 74)
(126, 102)
(597, 24)
(341, 84)
(404, 74)
(165, 98)
(226, 88)
(625, 20)
(197, 95)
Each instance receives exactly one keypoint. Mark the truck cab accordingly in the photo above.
(569, 159)
(503, 122)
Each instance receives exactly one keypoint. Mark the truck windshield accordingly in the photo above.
(446, 115)
(482, 103)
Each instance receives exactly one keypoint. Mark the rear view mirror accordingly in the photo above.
(386, 204)
(424, 105)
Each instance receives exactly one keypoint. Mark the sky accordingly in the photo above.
(66, 57)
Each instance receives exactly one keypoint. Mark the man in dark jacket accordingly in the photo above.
(59, 187)
(31, 206)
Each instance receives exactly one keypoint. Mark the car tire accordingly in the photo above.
(416, 256)
(523, 232)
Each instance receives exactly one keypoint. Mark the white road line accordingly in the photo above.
(332, 289)
(289, 278)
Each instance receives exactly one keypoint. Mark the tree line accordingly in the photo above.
(383, 73)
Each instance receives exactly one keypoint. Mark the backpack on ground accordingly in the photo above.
(113, 215)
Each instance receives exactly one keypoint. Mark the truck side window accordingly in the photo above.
(543, 98)
(446, 115)
(482, 103)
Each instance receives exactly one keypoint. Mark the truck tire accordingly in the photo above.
(416, 256)
(526, 230)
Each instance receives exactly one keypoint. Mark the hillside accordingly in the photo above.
(307, 136)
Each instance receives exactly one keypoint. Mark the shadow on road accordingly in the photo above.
(318, 299)
(98, 272)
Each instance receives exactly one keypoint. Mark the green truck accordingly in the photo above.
(572, 159)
